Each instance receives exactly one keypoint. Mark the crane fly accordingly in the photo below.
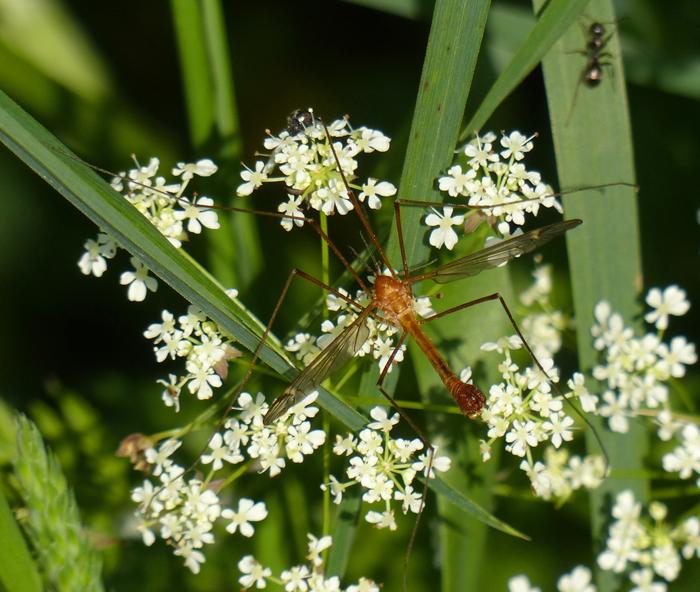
(392, 298)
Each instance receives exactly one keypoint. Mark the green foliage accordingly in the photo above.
(18, 572)
(64, 551)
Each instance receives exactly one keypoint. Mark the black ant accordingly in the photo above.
(595, 53)
(593, 73)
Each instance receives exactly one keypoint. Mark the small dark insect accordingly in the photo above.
(299, 120)
(593, 73)
(596, 59)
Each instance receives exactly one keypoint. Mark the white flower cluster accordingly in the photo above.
(205, 350)
(308, 577)
(685, 458)
(309, 170)
(643, 548)
(560, 474)
(384, 467)
(578, 580)
(635, 369)
(648, 547)
(496, 183)
(269, 446)
(524, 409)
(380, 341)
(183, 511)
(165, 207)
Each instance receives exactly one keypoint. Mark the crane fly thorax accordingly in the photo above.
(394, 298)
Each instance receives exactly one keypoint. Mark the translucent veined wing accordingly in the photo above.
(497, 254)
(333, 357)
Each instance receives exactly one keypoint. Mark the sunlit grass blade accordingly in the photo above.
(554, 20)
(107, 209)
(453, 47)
(592, 140)
(344, 532)
(214, 131)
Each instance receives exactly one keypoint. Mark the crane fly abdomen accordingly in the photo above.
(469, 399)
(395, 299)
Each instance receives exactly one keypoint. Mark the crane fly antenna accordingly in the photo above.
(370, 252)
(357, 206)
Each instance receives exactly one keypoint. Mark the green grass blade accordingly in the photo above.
(410, 9)
(453, 47)
(196, 74)
(554, 20)
(344, 532)
(106, 208)
(450, 59)
(214, 130)
(18, 572)
(592, 140)
(467, 506)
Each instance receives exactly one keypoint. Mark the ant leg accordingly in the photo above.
(573, 100)
(497, 296)
(575, 52)
(430, 449)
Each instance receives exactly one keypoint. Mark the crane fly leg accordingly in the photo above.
(295, 273)
(509, 314)
(497, 296)
(430, 449)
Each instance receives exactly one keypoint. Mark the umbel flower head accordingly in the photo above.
(385, 468)
(183, 510)
(301, 158)
(197, 340)
(635, 370)
(495, 183)
(164, 205)
(308, 577)
(525, 409)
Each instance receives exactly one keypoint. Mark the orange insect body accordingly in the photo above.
(394, 298)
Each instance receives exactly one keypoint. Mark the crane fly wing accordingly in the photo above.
(333, 357)
(498, 254)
